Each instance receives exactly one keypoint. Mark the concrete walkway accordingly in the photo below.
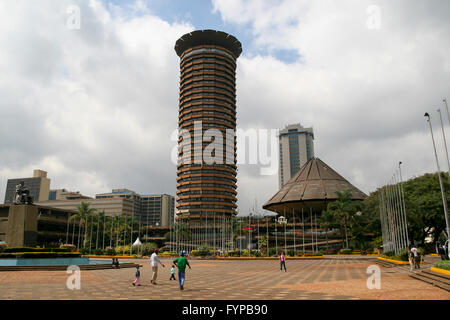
(223, 280)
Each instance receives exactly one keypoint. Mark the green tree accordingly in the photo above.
(262, 243)
(84, 214)
(424, 209)
(327, 221)
(344, 209)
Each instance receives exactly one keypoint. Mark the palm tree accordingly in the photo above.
(343, 208)
(327, 220)
(84, 213)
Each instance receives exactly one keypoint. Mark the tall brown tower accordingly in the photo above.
(207, 98)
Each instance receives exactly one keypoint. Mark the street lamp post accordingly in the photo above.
(444, 200)
(276, 237)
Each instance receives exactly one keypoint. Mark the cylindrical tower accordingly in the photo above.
(207, 104)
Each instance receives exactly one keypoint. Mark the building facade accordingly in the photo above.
(64, 194)
(208, 102)
(39, 186)
(155, 210)
(296, 145)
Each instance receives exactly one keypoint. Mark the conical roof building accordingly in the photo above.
(314, 186)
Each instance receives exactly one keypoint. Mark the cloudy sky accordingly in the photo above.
(96, 106)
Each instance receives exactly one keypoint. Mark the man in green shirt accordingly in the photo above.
(181, 263)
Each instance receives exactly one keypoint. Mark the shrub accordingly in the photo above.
(330, 251)
(36, 255)
(120, 250)
(389, 253)
(110, 252)
(233, 253)
(29, 249)
(444, 264)
(166, 254)
(68, 247)
(291, 253)
(203, 251)
(99, 252)
(2, 247)
(403, 255)
(272, 252)
(257, 253)
(194, 253)
(345, 251)
(148, 248)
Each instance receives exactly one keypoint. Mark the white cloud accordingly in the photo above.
(364, 91)
(94, 107)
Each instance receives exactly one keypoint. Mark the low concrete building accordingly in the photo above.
(34, 225)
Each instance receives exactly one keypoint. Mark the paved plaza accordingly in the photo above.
(223, 280)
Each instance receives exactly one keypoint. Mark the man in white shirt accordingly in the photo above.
(154, 260)
(416, 257)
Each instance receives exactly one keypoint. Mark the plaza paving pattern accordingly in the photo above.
(223, 280)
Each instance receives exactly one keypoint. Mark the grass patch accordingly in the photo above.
(445, 264)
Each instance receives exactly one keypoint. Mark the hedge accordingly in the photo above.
(444, 264)
(37, 255)
(27, 249)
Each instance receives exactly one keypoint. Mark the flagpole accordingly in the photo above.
(444, 200)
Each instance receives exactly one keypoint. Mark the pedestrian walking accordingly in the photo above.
(283, 262)
(154, 260)
(416, 257)
(411, 259)
(172, 273)
(138, 275)
(181, 262)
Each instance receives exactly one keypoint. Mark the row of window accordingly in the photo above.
(213, 83)
(216, 95)
(221, 166)
(206, 126)
(212, 192)
(209, 185)
(220, 72)
(203, 178)
(215, 66)
(206, 199)
(207, 58)
(215, 113)
(228, 91)
(209, 207)
(196, 76)
(213, 171)
(208, 100)
(207, 52)
(207, 107)
(208, 120)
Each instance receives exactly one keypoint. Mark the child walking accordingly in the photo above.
(282, 261)
(138, 275)
(172, 273)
